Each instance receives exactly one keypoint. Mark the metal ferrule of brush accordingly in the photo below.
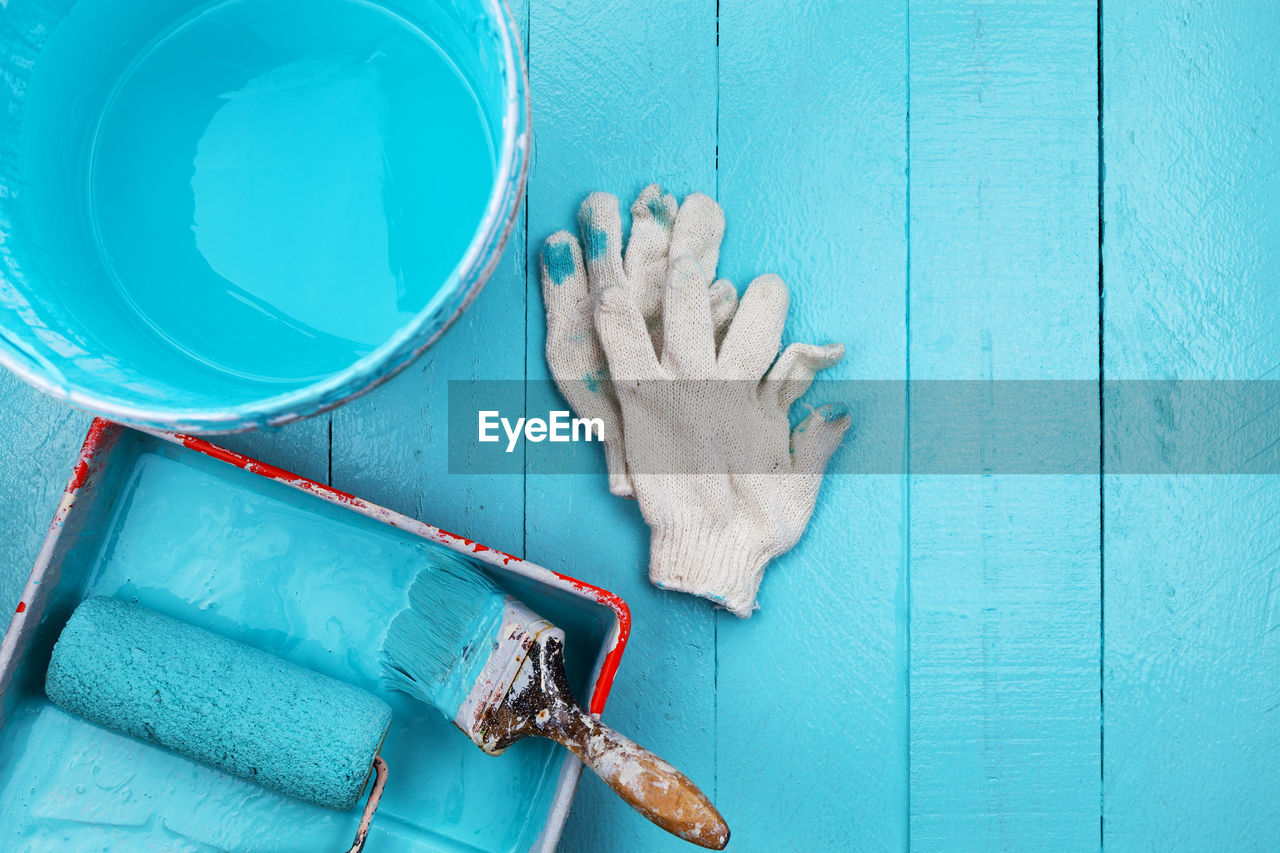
(520, 632)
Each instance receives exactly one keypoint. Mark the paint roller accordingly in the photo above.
(222, 703)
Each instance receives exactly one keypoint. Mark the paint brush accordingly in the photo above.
(496, 669)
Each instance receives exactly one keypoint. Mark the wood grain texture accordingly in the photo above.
(811, 739)
(623, 94)
(1192, 290)
(1004, 569)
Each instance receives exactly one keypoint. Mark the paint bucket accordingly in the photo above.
(216, 216)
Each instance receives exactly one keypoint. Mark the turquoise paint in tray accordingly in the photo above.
(307, 579)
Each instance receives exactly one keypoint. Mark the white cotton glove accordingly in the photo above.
(571, 288)
(721, 478)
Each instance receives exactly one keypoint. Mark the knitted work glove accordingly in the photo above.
(721, 478)
(571, 288)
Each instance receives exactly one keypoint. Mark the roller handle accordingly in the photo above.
(648, 784)
(375, 796)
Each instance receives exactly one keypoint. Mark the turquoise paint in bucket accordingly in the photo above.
(219, 216)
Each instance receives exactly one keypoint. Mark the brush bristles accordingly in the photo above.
(447, 603)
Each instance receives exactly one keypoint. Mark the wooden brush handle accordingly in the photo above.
(647, 783)
(539, 703)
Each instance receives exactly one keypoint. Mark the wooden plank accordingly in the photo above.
(623, 94)
(1192, 290)
(1004, 569)
(39, 440)
(811, 733)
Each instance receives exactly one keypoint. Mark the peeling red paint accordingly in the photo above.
(79, 475)
(92, 444)
(263, 469)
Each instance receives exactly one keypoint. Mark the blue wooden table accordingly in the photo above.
(975, 189)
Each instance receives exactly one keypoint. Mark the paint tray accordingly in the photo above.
(296, 569)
